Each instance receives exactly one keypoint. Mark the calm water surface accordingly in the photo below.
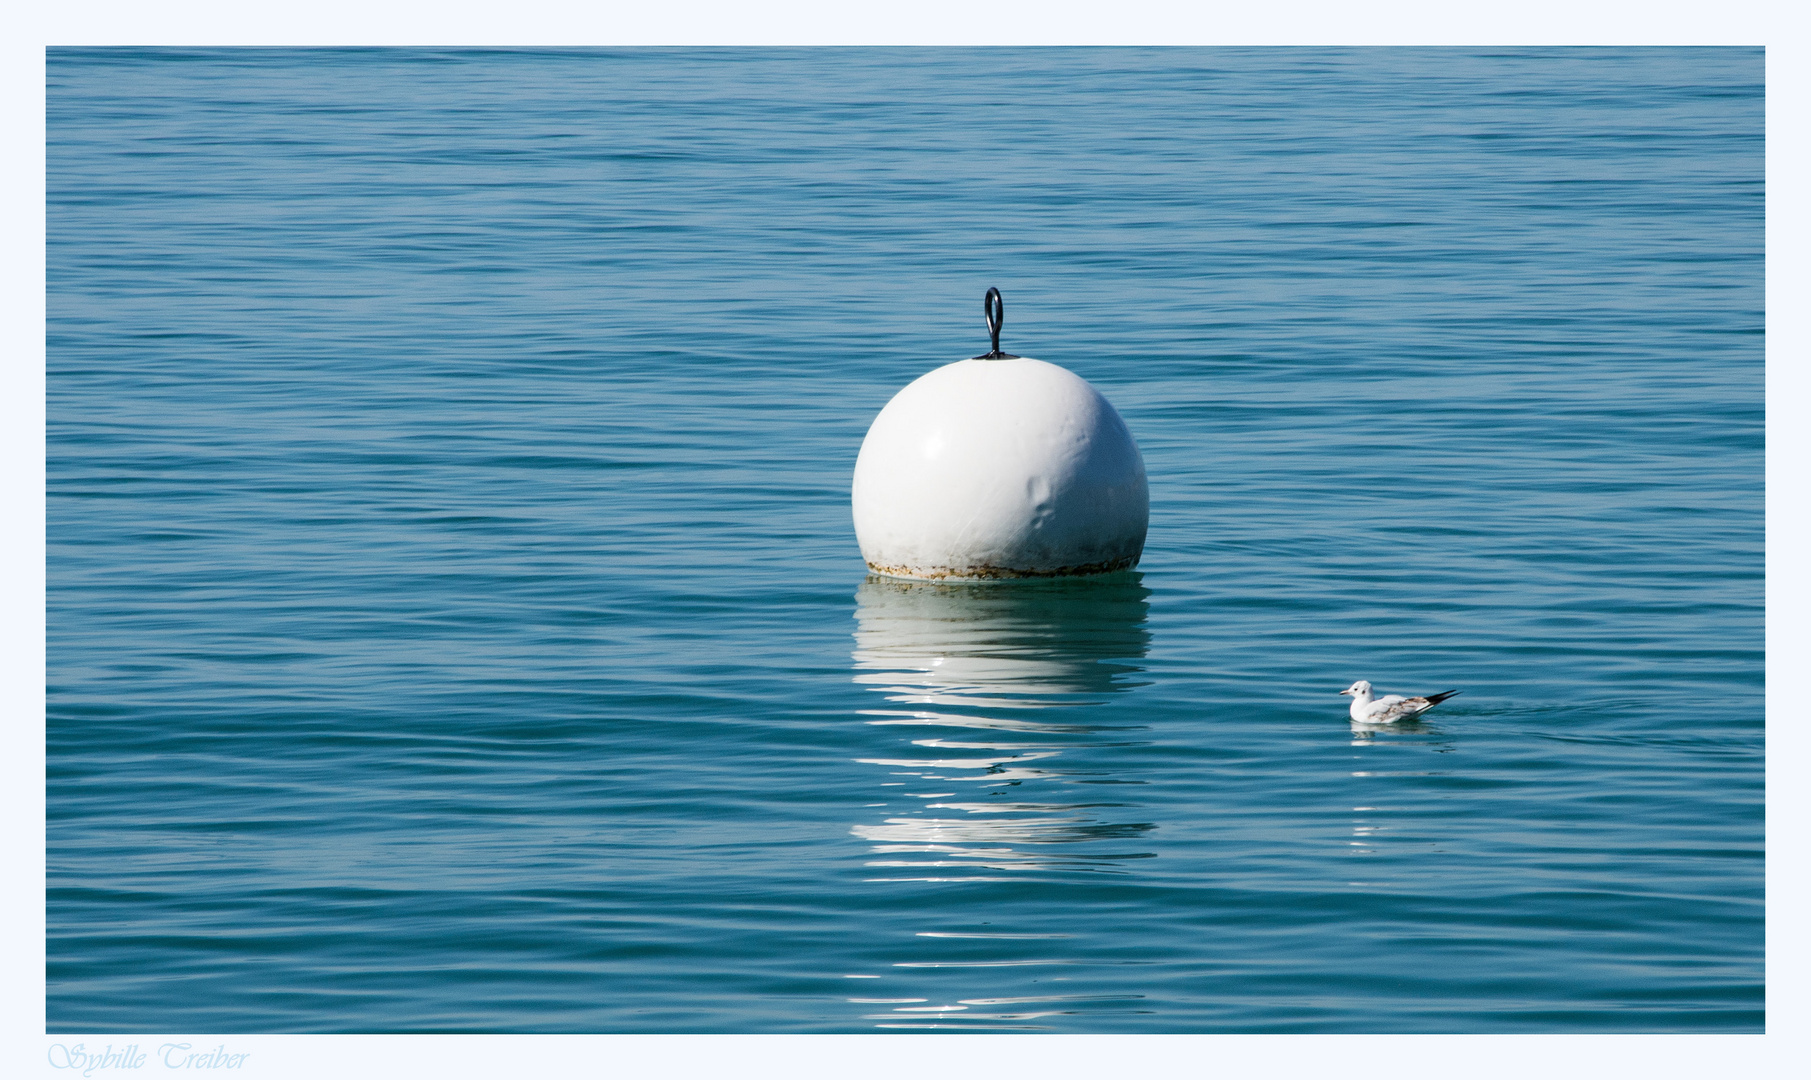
(456, 624)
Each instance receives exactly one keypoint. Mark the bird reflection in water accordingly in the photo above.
(1367, 832)
(1003, 683)
(1409, 732)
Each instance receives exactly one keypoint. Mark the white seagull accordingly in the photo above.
(1388, 710)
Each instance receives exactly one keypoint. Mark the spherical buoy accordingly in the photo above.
(999, 467)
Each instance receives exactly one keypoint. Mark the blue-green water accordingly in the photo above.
(456, 624)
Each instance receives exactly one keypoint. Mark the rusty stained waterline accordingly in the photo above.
(1002, 573)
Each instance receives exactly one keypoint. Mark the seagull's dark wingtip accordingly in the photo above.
(1435, 699)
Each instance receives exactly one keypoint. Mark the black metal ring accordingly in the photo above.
(995, 310)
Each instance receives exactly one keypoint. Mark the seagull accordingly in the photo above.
(1388, 710)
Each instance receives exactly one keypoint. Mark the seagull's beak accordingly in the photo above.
(1347, 690)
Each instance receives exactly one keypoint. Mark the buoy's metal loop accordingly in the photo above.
(995, 309)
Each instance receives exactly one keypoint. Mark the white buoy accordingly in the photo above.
(999, 467)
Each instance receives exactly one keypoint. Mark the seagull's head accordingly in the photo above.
(1360, 687)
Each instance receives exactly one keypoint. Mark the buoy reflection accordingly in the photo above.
(1002, 663)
